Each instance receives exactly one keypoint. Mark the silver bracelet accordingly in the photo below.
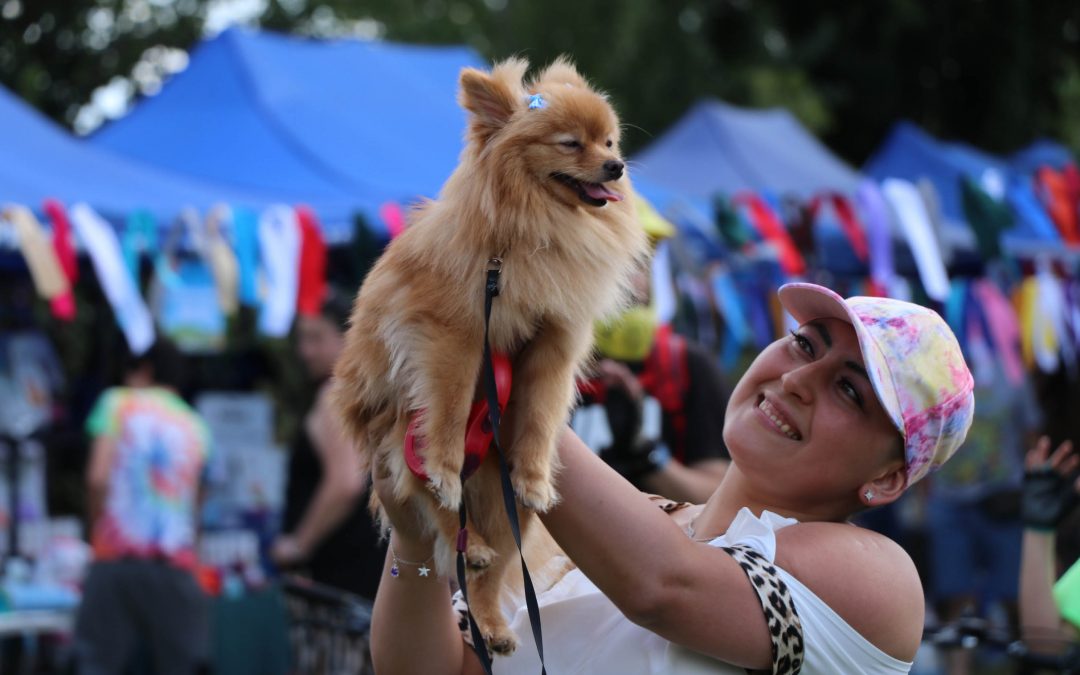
(395, 562)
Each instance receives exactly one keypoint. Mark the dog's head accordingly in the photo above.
(554, 134)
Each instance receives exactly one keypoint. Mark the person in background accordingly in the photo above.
(144, 476)
(654, 407)
(1049, 600)
(973, 508)
(327, 531)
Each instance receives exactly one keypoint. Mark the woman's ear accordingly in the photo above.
(884, 489)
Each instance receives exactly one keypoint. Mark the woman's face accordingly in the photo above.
(319, 342)
(805, 419)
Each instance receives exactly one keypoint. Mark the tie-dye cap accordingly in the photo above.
(915, 365)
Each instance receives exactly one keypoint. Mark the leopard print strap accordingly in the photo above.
(785, 628)
(461, 611)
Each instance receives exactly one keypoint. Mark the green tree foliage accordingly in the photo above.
(995, 73)
(54, 53)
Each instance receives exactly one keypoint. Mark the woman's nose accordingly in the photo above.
(799, 382)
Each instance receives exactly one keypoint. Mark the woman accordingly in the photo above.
(327, 530)
(856, 405)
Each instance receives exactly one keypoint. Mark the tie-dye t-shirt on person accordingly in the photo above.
(160, 452)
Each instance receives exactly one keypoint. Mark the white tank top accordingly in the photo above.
(585, 633)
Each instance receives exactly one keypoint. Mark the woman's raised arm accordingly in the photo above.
(690, 593)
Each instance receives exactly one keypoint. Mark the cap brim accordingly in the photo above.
(806, 302)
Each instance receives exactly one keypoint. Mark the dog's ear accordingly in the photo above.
(493, 97)
(561, 71)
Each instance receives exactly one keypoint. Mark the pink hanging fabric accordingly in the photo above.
(63, 305)
(394, 218)
(1004, 328)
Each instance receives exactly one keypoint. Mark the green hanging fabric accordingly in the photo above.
(988, 217)
(734, 230)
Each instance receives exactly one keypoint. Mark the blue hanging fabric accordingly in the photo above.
(737, 332)
(140, 236)
(955, 314)
(758, 312)
(1034, 222)
(246, 240)
(727, 299)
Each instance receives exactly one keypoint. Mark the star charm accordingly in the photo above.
(424, 570)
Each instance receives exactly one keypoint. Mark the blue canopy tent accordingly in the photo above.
(912, 154)
(718, 148)
(351, 121)
(39, 159)
(1042, 152)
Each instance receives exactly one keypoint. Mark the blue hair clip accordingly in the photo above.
(537, 101)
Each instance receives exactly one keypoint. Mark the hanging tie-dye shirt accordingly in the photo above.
(160, 453)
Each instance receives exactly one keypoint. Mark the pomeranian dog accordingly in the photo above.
(541, 186)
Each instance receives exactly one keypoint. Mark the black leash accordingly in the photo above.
(491, 290)
(479, 645)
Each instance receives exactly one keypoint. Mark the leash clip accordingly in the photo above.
(494, 269)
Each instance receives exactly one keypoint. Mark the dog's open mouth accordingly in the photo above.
(593, 194)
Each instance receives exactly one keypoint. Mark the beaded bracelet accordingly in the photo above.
(422, 567)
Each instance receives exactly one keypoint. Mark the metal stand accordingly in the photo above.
(12, 471)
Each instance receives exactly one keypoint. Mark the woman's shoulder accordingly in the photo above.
(863, 576)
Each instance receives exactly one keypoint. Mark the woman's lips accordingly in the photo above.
(779, 420)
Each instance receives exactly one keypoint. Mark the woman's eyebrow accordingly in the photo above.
(858, 369)
(823, 332)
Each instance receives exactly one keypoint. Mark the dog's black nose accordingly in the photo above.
(614, 169)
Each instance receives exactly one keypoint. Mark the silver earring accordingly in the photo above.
(869, 494)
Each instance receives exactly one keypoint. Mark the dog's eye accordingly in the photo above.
(570, 144)
(609, 143)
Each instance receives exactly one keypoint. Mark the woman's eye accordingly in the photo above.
(571, 144)
(802, 343)
(851, 392)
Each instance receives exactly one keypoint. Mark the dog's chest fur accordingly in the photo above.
(571, 282)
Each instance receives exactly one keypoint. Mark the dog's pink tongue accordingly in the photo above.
(598, 191)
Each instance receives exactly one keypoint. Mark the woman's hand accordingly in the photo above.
(1048, 495)
(411, 539)
(287, 552)
(413, 629)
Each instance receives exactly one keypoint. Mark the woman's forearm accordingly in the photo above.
(612, 531)
(1039, 615)
(414, 629)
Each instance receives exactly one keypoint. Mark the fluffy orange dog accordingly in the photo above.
(540, 185)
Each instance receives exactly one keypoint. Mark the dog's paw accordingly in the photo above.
(503, 642)
(447, 490)
(479, 557)
(535, 494)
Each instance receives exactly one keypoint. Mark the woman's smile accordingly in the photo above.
(776, 419)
